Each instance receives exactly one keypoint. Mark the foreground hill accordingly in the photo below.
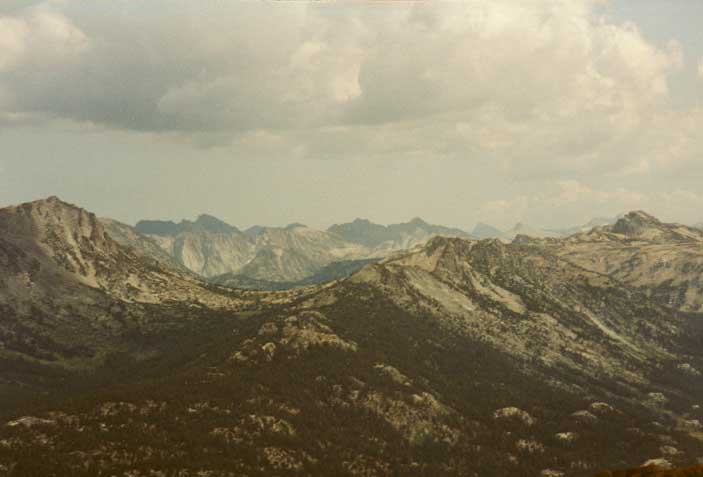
(457, 358)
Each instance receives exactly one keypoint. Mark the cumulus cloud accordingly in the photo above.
(269, 66)
(537, 88)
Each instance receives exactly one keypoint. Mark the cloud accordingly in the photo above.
(566, 202)
(33, 45)
(258, 65)
(570, 202)
(540, 89)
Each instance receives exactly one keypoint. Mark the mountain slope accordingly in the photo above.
(665, 261)
(328, 273)
(211, 248)
(72, 298)
(457, 358)
(143, 245)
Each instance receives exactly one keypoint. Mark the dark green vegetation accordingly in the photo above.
(328, 273)
(654, 471)
(328, 410)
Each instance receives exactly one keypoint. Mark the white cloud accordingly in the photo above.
(570, 202)
(34, 44)
(275, 66)
(539, 89)
(38, 38)
(566, 202)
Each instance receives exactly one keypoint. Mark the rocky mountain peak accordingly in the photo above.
(166, 228)
(483, 230)
(52, 220)
(418, 222)
(213, 224)
(634, 223)
(435, 243)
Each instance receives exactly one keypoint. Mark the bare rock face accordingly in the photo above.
(212, 248)
(53, 243)
(145, 246)
(69, 293)
(635, 224)
(664, 261)
(74, 238)
(515, 413)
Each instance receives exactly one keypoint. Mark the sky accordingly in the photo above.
(544, 112)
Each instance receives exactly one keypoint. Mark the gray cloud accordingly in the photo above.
(537, 93)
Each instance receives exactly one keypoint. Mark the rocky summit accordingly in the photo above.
(539, 357)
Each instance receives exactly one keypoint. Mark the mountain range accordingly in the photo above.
(541, 357)
(292, 256)
(214, 249)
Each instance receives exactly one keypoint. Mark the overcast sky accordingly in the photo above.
(547, 112)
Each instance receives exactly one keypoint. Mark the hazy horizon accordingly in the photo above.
(468, 229)
(549, 113)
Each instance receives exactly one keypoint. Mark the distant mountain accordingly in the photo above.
(392, 237)
(142, 244)
(363, 232)
(699, 225)
(255, 230)
(211, 247)
(596, 222)
(483, 231)
(204, 222)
